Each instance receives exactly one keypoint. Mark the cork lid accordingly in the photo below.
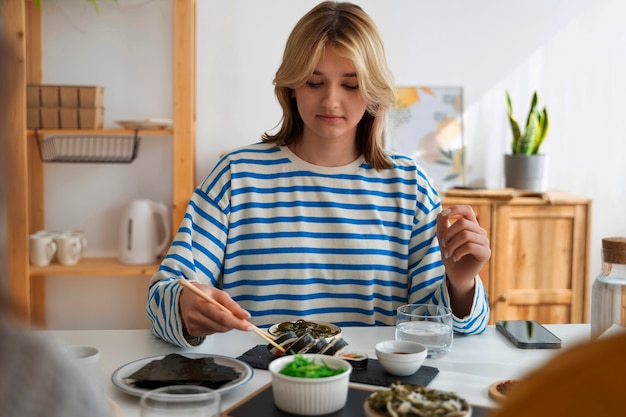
(614, 250)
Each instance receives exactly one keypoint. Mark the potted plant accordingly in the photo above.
(524, 168)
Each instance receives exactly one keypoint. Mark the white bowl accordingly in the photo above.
(83, 355)
(401, 357)
(310, 396)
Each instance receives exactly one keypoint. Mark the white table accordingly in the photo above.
(473, 364)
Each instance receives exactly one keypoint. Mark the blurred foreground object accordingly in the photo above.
(586, 380)
(37, 379)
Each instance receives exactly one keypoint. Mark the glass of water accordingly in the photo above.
(428, 324)
(181, 400)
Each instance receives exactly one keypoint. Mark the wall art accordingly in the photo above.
(426, 123)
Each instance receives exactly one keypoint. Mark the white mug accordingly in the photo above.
(51, 234)
(81, 236)
(69, 248)
(41, 249)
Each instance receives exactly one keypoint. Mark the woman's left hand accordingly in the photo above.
(464, 250)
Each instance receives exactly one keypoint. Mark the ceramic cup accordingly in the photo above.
(69, 247)
(52, 235)
(81, 236)
(428, 324)
(83, 355)
(42, 248)
(181, 400)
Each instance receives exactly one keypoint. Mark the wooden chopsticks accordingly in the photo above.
(186, 284)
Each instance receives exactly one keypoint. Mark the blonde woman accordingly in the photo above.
(318, 221)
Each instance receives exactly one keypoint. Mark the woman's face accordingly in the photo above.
(330, 103)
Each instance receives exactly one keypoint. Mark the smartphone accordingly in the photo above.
(528, 334)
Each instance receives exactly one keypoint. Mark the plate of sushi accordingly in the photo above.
(307, 342)
(317, 329)
(221, 373)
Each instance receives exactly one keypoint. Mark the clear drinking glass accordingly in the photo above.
(428, 324)
(181, 400)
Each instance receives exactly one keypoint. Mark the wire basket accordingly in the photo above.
(89, 148)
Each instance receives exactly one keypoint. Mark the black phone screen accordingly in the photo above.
(528, 334)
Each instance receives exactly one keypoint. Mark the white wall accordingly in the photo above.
(573, 52)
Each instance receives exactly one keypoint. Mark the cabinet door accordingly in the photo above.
(539, 272)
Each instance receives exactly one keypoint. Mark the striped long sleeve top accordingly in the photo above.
(290, 240)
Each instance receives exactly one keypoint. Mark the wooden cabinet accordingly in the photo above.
(23, 31)
(539, 264)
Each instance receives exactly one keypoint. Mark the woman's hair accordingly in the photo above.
(351, 33)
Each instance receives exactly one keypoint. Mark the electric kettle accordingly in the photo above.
(144, 232)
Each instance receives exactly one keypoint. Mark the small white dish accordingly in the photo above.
(400, 357)
(83, 355)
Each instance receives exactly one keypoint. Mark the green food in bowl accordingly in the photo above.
(301, 367)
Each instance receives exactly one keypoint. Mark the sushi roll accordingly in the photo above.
(301, 344)
(335, 347)
(317, 346)
(285, 341)
(358, 360)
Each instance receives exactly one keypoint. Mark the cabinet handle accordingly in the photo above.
(500, 299)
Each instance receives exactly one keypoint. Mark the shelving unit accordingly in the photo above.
(94, 266)
(26, 208)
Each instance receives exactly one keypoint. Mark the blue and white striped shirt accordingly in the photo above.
(289, 240)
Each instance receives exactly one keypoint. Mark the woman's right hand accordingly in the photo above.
(201, 318)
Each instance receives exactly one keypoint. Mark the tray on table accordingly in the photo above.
(259, 357)
(261, 403)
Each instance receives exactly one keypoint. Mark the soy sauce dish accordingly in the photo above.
(400, 357)
(310, 384)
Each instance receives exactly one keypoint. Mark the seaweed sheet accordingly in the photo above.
(175, 369)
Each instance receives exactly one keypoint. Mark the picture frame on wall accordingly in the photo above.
(426, 123)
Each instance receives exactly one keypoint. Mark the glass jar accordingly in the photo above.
(608, 293)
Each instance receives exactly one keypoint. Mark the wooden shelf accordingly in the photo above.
(26, 205)
(87, 132)
(95, 266)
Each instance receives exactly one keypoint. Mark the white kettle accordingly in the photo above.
(144, 232)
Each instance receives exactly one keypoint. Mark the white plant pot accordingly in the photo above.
(525, 172)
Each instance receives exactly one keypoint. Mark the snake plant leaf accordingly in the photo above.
(533, 107)
(514, 125)
(527, 142)
(94, 3)
(543, 129)
(536, 128)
